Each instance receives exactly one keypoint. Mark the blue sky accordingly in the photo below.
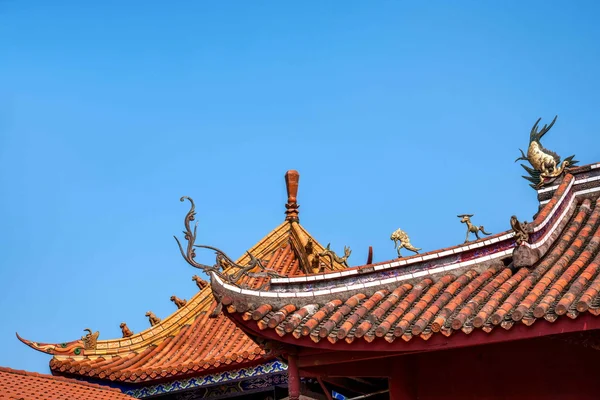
(395, 114)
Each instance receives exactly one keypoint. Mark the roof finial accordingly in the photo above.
(292, 177)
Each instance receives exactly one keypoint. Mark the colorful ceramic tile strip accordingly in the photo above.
(269, 368)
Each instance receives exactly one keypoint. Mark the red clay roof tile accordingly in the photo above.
(564, 281)
(23, 385)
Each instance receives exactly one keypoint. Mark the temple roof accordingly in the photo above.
(545, 270)
(16, 384)
(196, 339)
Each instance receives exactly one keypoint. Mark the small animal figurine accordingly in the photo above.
(90, 339)
(178, 302)
(400, 236)
(125, 330)
(334, 257)
(201, 283)
(521, 229)
(466, 219)
(154, 320)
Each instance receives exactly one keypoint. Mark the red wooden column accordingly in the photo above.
(293, 378)
(403, 380)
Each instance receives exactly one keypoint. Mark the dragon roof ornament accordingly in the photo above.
(223, 263)
(546, 163)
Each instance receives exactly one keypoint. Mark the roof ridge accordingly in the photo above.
(57, 378)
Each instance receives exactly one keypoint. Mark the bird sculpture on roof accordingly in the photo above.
(400, 236)
(546, 163)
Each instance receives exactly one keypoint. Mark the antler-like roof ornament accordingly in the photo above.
(223, 261)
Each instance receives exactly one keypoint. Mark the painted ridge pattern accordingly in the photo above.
(477, 254)
(484, 250)
(585, 174)
(268, 368)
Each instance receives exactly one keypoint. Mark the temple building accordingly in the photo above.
(514, 315)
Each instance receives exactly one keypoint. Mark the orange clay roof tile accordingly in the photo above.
(16, 385)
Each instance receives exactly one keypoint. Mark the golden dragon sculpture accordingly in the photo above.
(546, 164)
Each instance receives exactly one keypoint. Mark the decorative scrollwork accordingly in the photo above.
(223, 262)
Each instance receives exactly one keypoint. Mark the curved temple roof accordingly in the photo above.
(479, 286)
(189, 341)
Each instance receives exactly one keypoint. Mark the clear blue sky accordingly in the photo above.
(395, 114)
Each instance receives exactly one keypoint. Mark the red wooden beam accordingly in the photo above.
(325, 390)
(307, 360)
(364, 369)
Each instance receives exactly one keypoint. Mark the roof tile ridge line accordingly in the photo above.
(462, 247)
(289, 256)
(583, 168)
(575, 171)
(417, 258)
(547, 212)
(296, 225)
(203, 302)
(299, 241)
(57, 378)
(567, 213)
(297, 294)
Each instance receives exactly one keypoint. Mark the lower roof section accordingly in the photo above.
(206, 344)
(197, 339)
(16, 384)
